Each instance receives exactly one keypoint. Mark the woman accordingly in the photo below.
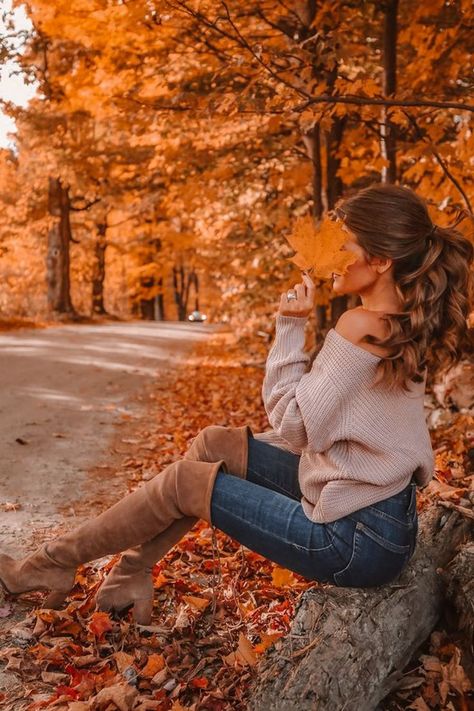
(330, 491)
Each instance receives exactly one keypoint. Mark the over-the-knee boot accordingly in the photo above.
(130, 581)
(183, 488)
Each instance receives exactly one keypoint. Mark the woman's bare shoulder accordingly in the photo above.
(356, 323)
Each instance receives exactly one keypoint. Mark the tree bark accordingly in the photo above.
(387, 130)
(160, 302)
(459, 576)
(347, 647)
(98, 276)
(181, 285)
(57, 258)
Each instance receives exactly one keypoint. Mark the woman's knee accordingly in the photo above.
(216, 442)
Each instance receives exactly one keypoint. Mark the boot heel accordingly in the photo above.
(142, 610)
(54, 600)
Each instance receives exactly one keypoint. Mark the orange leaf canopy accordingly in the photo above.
(319, 249)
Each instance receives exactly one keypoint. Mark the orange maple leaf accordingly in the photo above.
(319, 249)
(99, 624)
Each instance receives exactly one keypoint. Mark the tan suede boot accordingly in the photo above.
(183, 488)
(130, 582)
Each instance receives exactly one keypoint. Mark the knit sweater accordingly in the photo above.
(359, 443)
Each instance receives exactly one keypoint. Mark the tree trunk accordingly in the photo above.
(347, 647)
(181, 286)
(388, 131)
(98, 275)
(57, 259)
(459, 576)
(160, 303)
(147, 306)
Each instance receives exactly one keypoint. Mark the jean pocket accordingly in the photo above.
(411, 509)
(399, 510)
(374, 560)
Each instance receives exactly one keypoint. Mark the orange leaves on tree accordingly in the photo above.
(99, 624)
(319, 250)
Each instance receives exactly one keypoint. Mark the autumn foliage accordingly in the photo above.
(173, 145)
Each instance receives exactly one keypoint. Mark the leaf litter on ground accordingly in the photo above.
(218, 605)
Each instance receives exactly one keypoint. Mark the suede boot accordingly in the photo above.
(130, 582)
(183, 488)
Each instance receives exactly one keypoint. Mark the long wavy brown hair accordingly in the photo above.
(432, 271)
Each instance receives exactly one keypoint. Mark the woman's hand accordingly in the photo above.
(303, 304)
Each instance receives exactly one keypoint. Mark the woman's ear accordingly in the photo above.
(380, 264)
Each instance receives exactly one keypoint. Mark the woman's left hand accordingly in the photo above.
(304, 302)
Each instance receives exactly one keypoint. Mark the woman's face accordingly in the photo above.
(360, 275)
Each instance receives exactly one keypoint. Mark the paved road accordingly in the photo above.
(64, 391)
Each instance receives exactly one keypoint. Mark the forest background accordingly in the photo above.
(172, 144)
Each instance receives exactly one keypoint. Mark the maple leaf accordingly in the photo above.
(320, 249)
(99, 624)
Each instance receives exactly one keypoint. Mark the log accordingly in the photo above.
(347, 646)
(459, 579)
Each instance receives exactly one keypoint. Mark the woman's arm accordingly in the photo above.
(302, 406)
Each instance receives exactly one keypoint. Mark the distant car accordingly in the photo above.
(197, 316)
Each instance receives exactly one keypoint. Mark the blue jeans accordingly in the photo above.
(367, 548)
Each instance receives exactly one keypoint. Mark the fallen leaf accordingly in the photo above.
(245, 652)
(198, 602)
(122, 695)
(267, 641)
(282, 577)
(123, 660)
(155, 663)
(99, 624)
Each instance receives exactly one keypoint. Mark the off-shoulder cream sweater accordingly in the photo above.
(358, 443)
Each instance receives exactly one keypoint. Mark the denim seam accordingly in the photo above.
(282, 540)
(274, 484)
(377, 538)
(404, 525)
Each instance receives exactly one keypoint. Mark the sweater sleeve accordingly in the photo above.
(303, 407)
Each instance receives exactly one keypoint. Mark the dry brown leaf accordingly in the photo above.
(53, 677)
(245, 651)
(200, 603)
(122, 695)
(182, 618)
(442, 490)
(455, 675)
(419, 704)
(123, 660)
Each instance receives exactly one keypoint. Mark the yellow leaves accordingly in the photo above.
(320, 249)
